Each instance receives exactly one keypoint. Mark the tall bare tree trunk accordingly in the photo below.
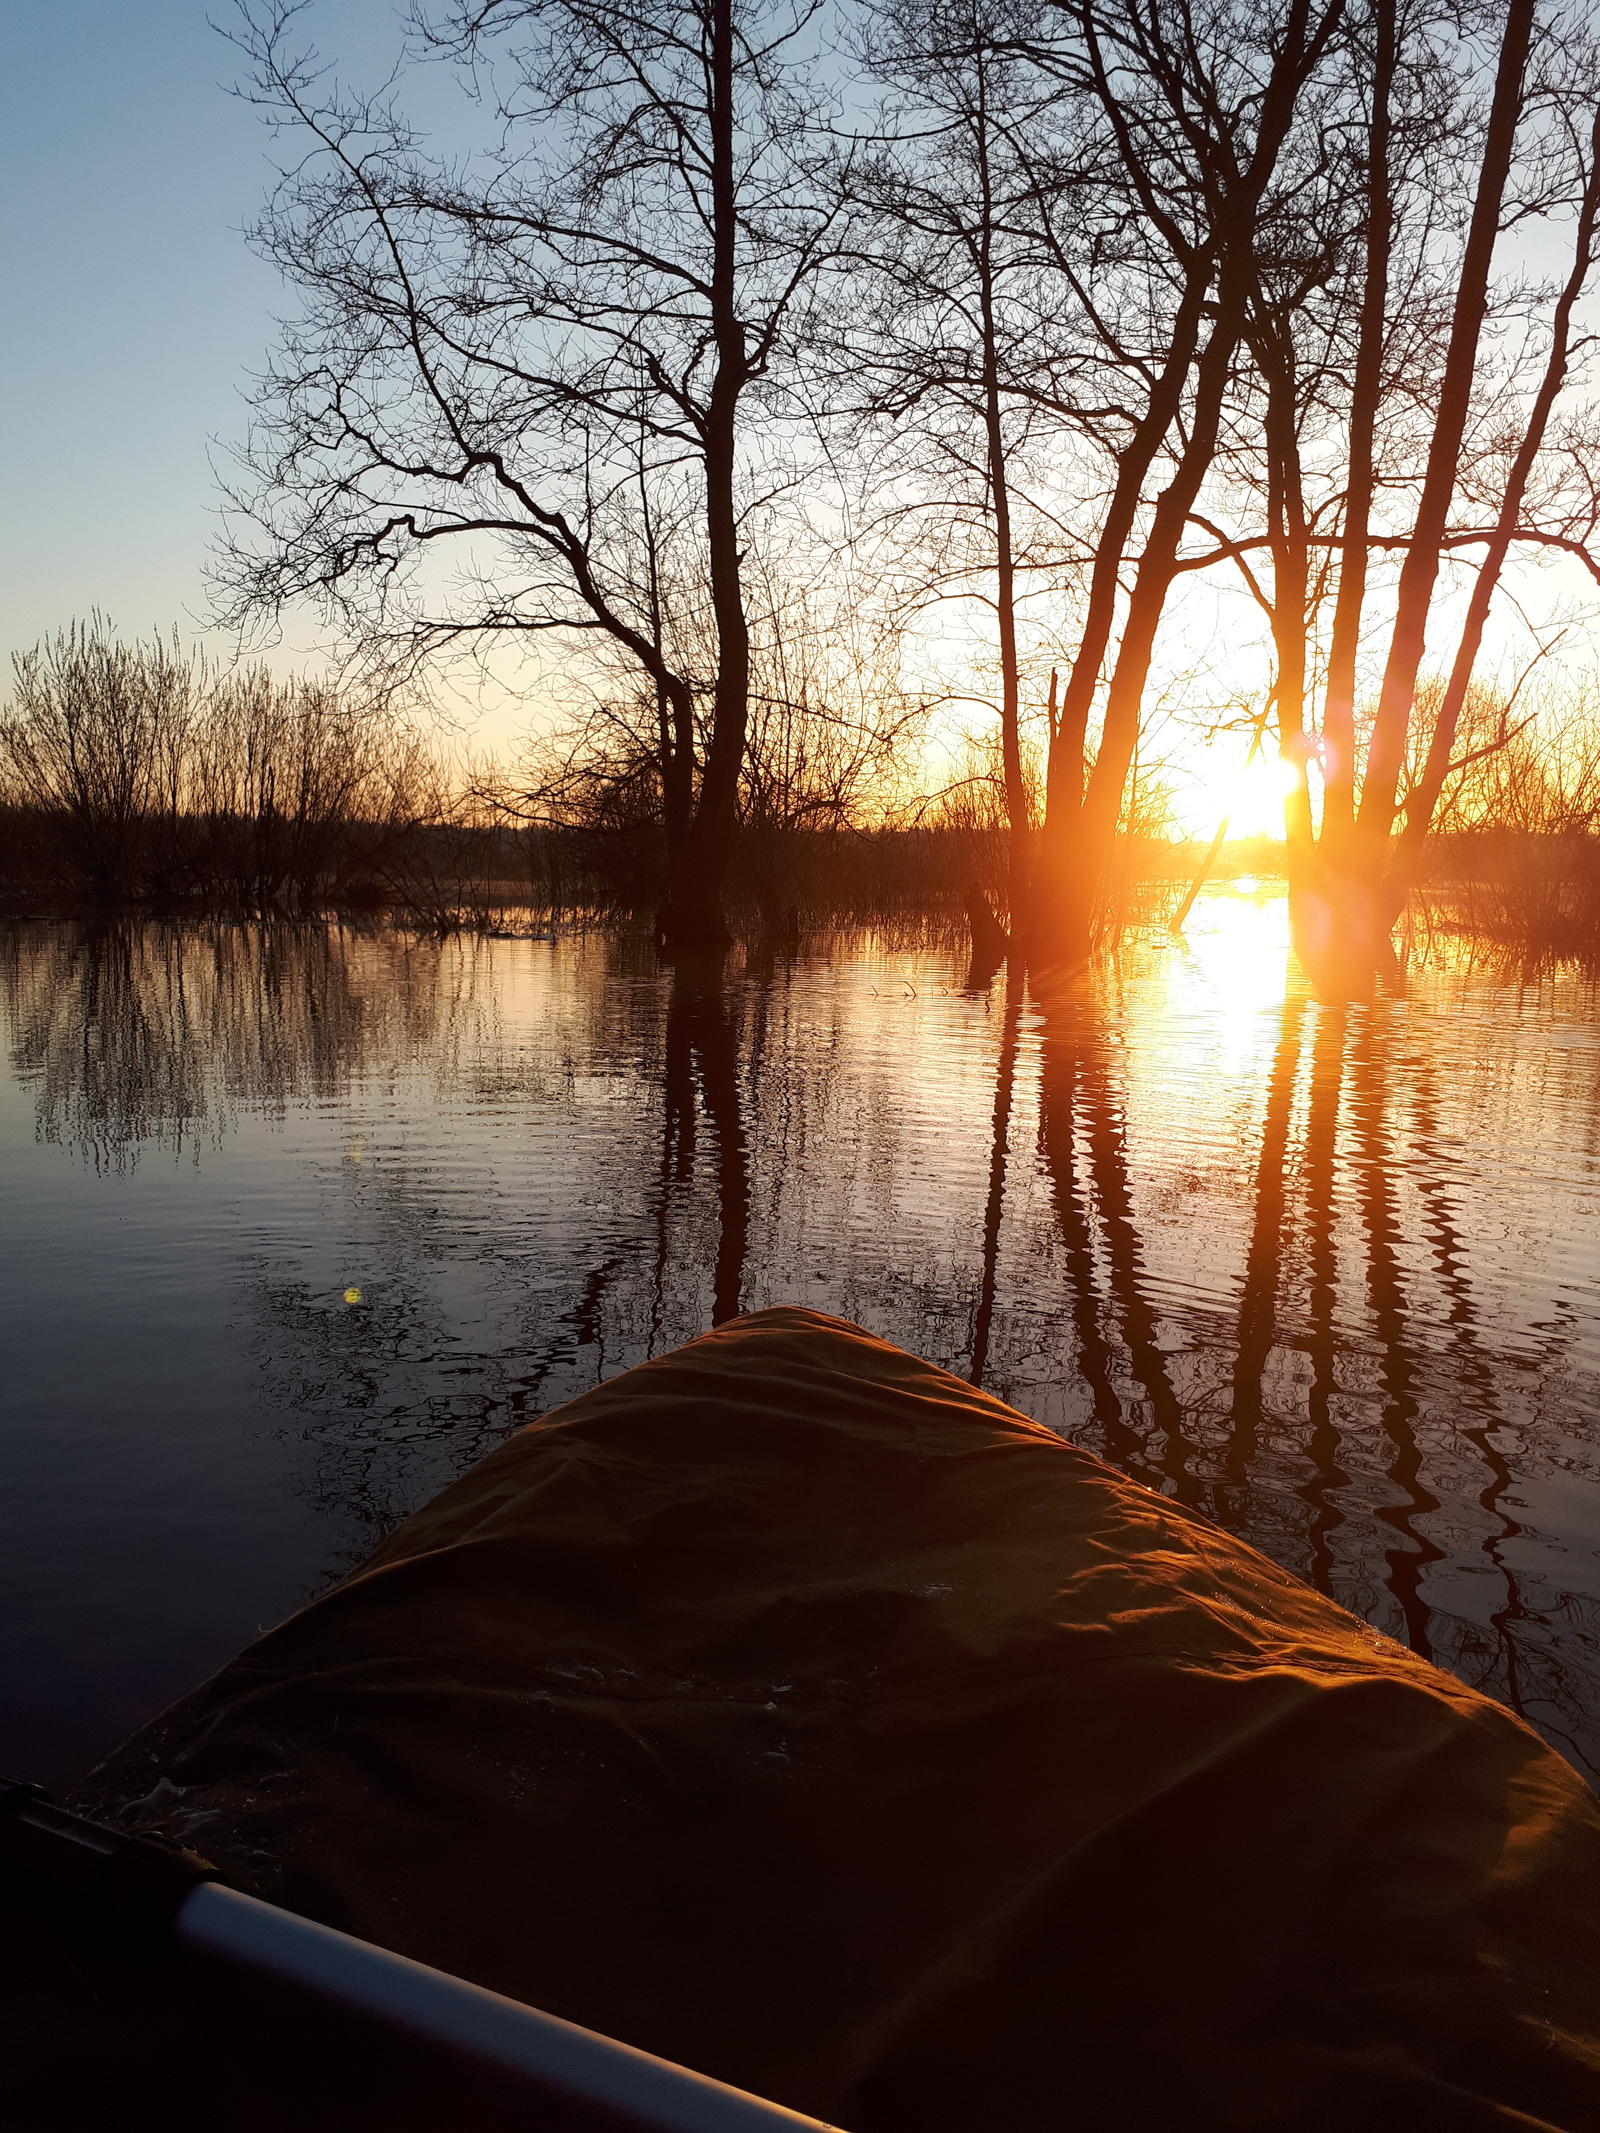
(674, 712)
(1407, 860)
(1064, 778)
(1339, 702)
(1005, 559)
(1079, 846)
(694, 917)
(1158, 567)
(1419, 573)
(1291, 570)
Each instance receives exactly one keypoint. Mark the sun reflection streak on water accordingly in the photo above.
(1237, 965)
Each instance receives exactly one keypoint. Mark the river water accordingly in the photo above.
(295, 1222)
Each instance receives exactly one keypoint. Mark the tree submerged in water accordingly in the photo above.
(1085, 309)
(548, 363)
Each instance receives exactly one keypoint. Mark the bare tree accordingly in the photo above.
(1071, 214)
(95, 736)
(506, 364)
(962, 358)
(829, 734)
(1202, 105)
(1423, 800)
(1387, 422)
(1419, 573)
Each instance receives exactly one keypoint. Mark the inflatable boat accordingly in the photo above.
(791, 1716)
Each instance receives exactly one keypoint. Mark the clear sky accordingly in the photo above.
(133, 310)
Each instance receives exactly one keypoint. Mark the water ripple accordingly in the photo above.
(1332, 1275)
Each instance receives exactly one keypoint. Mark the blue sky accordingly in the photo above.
(133, 310)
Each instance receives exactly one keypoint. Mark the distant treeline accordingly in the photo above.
(139, 774)
(1514, 855)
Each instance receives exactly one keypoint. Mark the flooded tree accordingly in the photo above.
(1248, 285)
(1406, 371)
(828, 733)
(516, 375)
(958, 367)
(1071, 219)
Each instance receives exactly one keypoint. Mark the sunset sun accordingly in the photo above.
(1222, 780)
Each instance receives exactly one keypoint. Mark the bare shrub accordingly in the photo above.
(1516, 856)
(93, 746)
(140, 771)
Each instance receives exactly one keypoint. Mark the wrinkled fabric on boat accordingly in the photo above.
(791, 1709)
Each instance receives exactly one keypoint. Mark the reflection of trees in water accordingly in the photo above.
(1364, 1451)
(1083, 1139)
(1408, 1559)
(1386, 1534)
(701, 1057)
(999, 1151)
(760, 1137)
(1491, 1661)
(148, 1032)
(389, 1402)
(1320, 1491)
(1258, 1296)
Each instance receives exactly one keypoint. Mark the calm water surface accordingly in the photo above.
(297, 1222)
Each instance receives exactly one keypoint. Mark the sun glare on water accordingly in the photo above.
(1235, 965)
